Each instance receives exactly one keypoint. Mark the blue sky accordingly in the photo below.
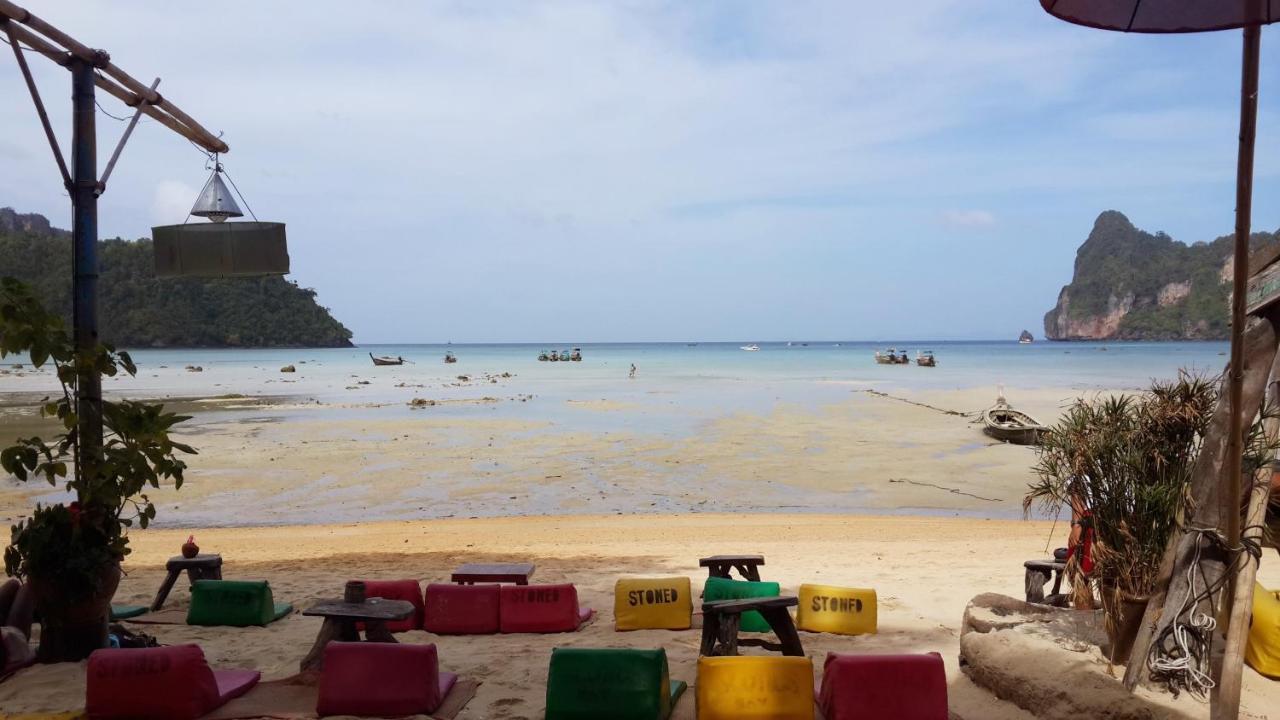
(585, 171)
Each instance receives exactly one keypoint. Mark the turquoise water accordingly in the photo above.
(960, 364)
(676, 383)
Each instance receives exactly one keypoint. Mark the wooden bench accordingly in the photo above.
(720, 620)
(1038, 573)
(340, 623)
(720, 565)
(473, 573)
(200, 567)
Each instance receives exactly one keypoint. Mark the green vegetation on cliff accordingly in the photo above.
(140, 310)
(1133, 285)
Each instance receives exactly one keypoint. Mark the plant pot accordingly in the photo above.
(69, 631)
(1123, 616)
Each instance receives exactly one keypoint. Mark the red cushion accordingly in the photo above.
(461, 609)
(164, 683)
(540, 608)
(379, 679)
(407, 590)
(903, 687)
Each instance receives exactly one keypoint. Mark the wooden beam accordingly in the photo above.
(111, 164)
(35, 98)
(1259, 350)
(1228, 689)
(130, 91)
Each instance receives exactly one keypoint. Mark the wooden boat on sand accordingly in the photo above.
(1012, 426)
(386, 360)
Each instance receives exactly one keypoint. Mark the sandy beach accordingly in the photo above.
(290, 461)
(924, 570)
(843, 481)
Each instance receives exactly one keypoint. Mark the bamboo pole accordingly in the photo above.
(35, 98)
(128, 89)
(1227, 702)
(1224, 699)
(111, 164)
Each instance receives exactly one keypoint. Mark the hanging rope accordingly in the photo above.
(1180, 656)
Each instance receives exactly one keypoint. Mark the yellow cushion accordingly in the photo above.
(1263, 650)
(844, 611)
(755, 688)
(652, 603)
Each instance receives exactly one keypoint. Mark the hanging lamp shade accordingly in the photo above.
(1164, 16)
(219, 248)
(215, 202)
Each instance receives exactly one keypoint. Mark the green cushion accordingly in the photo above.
(726, 589)
(124, 612)
(620, 684)
(235, 603)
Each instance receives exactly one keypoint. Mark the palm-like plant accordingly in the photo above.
(1128, 460)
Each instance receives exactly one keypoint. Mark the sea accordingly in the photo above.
(679, 381)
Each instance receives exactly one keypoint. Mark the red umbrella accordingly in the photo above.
(1187, 16)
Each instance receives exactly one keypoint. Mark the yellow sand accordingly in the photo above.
(924, 569)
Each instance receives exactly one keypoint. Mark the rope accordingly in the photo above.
(1180, 656)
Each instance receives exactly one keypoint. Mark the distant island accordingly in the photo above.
(1132, 285)
(140, 310)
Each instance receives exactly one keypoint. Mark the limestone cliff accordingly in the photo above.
(1133, 285)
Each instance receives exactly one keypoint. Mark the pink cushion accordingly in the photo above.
(407, 590)
(380, 679)
(164, 683)
(903, 687)
(541, 609)
(461, 609)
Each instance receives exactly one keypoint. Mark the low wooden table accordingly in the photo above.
(473, 573)
(720, 621)
(1038, 573)
(200, 567)
(340, 618)
(748, 566)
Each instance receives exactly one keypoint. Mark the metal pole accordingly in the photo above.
(84, 236)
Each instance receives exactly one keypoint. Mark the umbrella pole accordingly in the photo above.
(1225, 697)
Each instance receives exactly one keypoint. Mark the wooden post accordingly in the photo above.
(1259, 353)
(1227, 701)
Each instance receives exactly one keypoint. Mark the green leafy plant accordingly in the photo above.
(70, 544)
(1128, 460)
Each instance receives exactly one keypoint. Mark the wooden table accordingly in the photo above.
(473, 573)
(720, 565)
(200, 567)
(720, 621)
(1038, 572)
(340, 618)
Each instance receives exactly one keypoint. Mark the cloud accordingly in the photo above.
(171, 202)
(968, 218)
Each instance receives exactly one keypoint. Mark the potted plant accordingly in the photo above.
(70, 553)
(1127, 460)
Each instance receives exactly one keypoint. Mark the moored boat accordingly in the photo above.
(449, 358)
(386, 360)
(1012, 426)
(892, 356)
(577, 355)
(751, 348)
(925, 358)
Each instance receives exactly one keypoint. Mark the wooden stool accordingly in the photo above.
(720, 621)
(200, 567)
(1038, 573)
(746, 565)
(340, 618)
(473, 573)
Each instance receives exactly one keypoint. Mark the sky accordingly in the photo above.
(579, 171)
